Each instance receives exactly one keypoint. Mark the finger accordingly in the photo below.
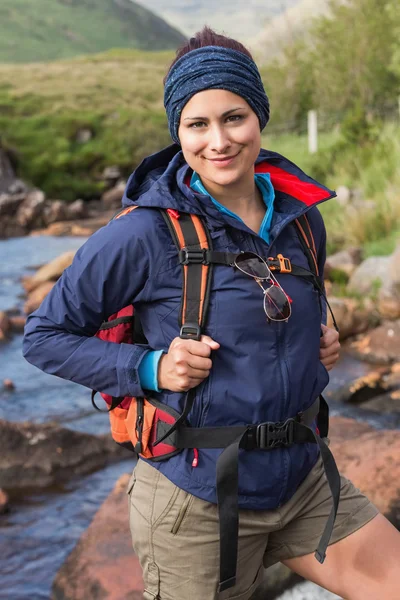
(210, 342)
(199, 348)
(199, 362)
(198, 374)
(331, 349)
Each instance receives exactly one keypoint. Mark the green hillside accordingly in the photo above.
(116, 95)
(39, 30)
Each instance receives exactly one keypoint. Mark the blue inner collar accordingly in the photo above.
(263, 182)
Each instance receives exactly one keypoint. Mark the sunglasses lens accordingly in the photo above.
(276, 304)
(252, 265)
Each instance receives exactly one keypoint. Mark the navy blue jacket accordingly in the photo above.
(262, 372)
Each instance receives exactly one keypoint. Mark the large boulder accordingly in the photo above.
(36, 297)
(370, 276)
(352, 316)
(342, 264)
(30, 213)
(370, 458)
(112, 198)
(38, 456)
(49, 272)
(380, 345)
(103, 564)
(5, 326)
(389, 294)
(56, 210)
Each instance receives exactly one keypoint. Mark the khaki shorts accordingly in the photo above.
(176, 537)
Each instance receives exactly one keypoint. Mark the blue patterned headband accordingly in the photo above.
(213, 67)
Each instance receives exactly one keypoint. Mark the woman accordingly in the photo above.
(251, 365)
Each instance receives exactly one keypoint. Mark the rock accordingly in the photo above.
(103, 563)
(7, 175)
(4, 506)
(389, 294)
(343, 195)
(370, 276)
(76, 210)
(8, 385)
(351, 316)
(111, 174)
(56, 210)
(386, 403)
(36, 297)
(5, 326)
(9, 204)
(37, 456)
(17, 323)
(89, 567)
(371, 460)
(112, 198)
(362, 389)
(50, 272)
(84, 135)
(342, 263)
(85, 227)
(9, 228)
(379, 346)
(30, 213)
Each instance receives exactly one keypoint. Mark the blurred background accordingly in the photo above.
(81, 104)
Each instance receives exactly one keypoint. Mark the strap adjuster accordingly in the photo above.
(197, 257)
(190, 331)
(275, 435)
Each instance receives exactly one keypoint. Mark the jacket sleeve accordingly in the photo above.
(111, 270)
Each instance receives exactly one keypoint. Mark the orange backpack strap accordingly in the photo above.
(307, 241)
(124, 211)
(193, 242)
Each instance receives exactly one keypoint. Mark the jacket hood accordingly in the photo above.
(161, 181)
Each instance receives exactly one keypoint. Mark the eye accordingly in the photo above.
(197, 125)
(235, 118)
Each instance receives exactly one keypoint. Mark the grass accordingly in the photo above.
(39, 30)
(373, 221)
(116, 95)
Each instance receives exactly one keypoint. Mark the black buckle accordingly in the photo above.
(190, 331)
(197, 257)
(275, 435)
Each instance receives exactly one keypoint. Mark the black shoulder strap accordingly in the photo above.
(193, 242)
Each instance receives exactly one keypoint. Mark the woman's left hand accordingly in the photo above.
(329, 347)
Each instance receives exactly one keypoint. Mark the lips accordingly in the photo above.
(223, 161)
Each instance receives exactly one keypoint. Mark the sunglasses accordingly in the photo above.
(276, 302)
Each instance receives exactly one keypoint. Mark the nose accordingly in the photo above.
(219, 140)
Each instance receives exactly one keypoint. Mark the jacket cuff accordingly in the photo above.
(133, 356)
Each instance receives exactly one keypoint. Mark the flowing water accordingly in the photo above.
(41, 529)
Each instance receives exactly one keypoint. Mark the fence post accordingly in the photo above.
(312, 131)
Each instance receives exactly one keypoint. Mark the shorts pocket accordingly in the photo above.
(182, 514)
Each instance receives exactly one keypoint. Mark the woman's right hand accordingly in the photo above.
(186, 364)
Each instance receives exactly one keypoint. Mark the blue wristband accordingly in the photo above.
(148, 370)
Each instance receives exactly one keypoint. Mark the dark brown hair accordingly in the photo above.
(208, 37)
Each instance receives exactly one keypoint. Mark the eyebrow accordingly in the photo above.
(225, 114)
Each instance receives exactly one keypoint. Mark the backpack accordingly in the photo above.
(156, 431)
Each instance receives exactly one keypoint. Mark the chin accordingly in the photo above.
(223, 178)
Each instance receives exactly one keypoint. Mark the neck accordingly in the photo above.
(243, 198)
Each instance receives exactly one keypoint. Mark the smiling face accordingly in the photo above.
(220, 138)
